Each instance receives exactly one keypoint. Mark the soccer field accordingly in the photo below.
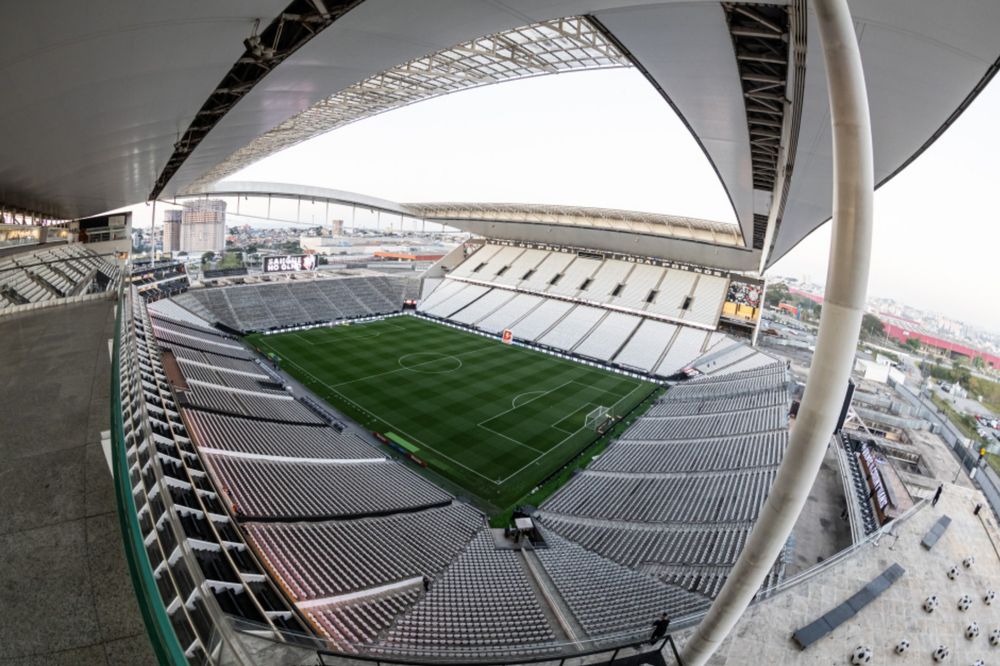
(493, 418)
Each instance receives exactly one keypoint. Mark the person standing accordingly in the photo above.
(937, 494)
(660, 627)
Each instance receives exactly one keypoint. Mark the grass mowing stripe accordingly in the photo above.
(495, 419)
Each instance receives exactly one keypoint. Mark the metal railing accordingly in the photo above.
(603, 649)
(162, 636)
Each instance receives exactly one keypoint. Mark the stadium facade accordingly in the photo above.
(273, 507)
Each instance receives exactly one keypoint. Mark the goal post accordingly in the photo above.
(597, 418)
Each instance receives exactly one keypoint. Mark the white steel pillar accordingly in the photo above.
(843, 306)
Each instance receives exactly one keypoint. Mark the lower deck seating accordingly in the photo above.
(353, 625)
(627, 340)
(676, 498)
(700, 426)
(268, 406)
(265, 438)
(325, 559)
(608, 598)
(298, 490)
(221, 361)
(264, 306)
(482, 605)
(678, 493)
(44, 273)
(726, 453)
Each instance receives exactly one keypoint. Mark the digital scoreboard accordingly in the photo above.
(290, 263)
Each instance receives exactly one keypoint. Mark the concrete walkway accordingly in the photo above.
(763, 634)
(65, 592)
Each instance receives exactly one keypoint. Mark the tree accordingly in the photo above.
(913, 343)
(871, 327)
(978, 363)
(207, 257)
(776, 293)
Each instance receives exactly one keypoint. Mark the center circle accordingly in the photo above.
(430, 363)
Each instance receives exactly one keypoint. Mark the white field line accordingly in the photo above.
(540, 395)
(513, 402)
(509, 439)
(563, 441)
(545, 453)
(556, 424)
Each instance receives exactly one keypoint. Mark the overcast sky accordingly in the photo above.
(607, 139)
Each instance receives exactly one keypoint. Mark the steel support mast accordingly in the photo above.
(840, 324)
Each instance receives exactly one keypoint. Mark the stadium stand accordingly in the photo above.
(687, 294)
(211, 359)
(358, 622)
(328, 297)
(460, 298)
(264, 438)
(677, 494)
(688, 497)
(609, 310)
(540, 319)
(744, 451)
(156, 281)
(174, 500)
(607, 598)
(509, 313)
(482, 605)
(377, 560)
(268, 406)
(484, 306)
(608, 336)
(645, 348)
(641, 283)
(307, 490)
(685, 346)
(572, 328)
(45, 274)
(319, 560)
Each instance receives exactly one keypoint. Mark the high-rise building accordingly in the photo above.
(172, 231)
(203, 226)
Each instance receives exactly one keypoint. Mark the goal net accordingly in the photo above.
(597, 418)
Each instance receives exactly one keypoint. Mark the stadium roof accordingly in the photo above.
(696, 241)
(105, 108)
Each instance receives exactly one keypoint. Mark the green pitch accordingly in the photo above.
(493, 418)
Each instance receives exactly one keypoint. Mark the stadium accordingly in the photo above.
(534, 447)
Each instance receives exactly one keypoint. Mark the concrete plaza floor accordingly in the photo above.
(764, 634)
(65, 592)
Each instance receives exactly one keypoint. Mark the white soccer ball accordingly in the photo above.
(953, 573)
(990, 596)
(969, 561)
(931, 603)
(861, 655)
(972, 631)
(965, 603)
(995, 637)
(941, 653)
(902, 646)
